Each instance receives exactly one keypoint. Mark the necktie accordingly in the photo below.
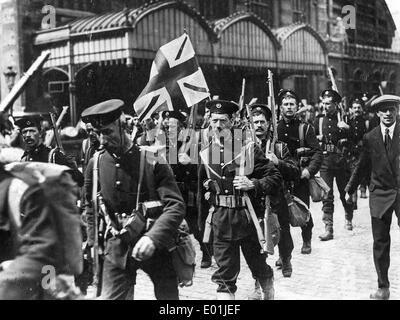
(388, 141)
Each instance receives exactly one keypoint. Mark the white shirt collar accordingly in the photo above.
(391, 130)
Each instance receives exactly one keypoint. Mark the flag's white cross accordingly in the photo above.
(176, 81)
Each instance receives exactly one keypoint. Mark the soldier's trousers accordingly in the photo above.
(342, 176)
(227, 257)
(285, 244)
(302, 192)
(119, 284)
(198, 233)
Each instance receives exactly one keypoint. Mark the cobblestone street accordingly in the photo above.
(340, 269)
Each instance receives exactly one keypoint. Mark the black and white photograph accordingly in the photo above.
(209, 151)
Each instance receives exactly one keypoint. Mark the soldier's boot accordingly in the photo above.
(205, 261)
(328, 235)
(287, 268)
(306, 248)
(349, 225)
(267, 286)
(256, 294)
(354, 199)
(278, 263)
(363, 193)
(225, 296)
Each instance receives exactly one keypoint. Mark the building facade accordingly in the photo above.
(104, 49)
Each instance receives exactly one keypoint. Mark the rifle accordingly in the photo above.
(58, 146)
(16, 91)
(334, 87)
(50, 138)
(270, 148)
(260, 234)
(189, 138)
(238, 120)
(96, 215)
(271, 102)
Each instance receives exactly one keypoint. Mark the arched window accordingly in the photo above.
(300, 10)
(212, 9)
(374, 81)
(358, 82)
(392, 83)
(263, 8)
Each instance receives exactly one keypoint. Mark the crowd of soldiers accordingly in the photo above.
(138, 183)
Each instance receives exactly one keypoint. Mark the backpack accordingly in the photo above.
(60, 193)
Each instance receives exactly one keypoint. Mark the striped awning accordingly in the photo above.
(302, 48)
(240, 40)
(125, 35)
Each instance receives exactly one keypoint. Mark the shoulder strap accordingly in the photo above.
(141, 174)
(301, 134)
(321, 122)
(280, 150)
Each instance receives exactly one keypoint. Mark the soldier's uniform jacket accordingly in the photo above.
(288, 166)
(41, 154)
(185, 175)
(118, 185)
(231, 221)
(288, 132)
(358, 127)
(336, 142)
(290, 171)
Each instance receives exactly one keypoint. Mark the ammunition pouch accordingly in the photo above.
(133, 229)
(304, 156)
(331, 148)
(140, 221)
(229, 201)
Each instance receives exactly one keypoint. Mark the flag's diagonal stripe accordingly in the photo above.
(150, 106)
(195, 88)
(181, 49)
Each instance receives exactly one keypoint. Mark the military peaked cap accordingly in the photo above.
(287, 93)
(330, 93)
(357, 100)
(263, 109)
(103, 113)
(222, 107)
(29, 122)
(174, 114)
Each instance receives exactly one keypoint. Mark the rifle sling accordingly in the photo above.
(260, 234)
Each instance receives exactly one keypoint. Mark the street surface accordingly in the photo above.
(340, 269)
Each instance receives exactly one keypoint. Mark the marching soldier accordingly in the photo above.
(36, 151)
(141, 204)
(289, 170)
(334, 136)
(303, 146)
(186, 178)
(358, 127)
(233, 221)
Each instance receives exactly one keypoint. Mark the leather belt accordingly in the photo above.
(331, 148)
(229, 201)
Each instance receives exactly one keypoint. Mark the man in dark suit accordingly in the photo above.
(381, 157)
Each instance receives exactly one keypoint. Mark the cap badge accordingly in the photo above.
(219, 106)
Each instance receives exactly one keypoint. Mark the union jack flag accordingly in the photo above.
(176, 80)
